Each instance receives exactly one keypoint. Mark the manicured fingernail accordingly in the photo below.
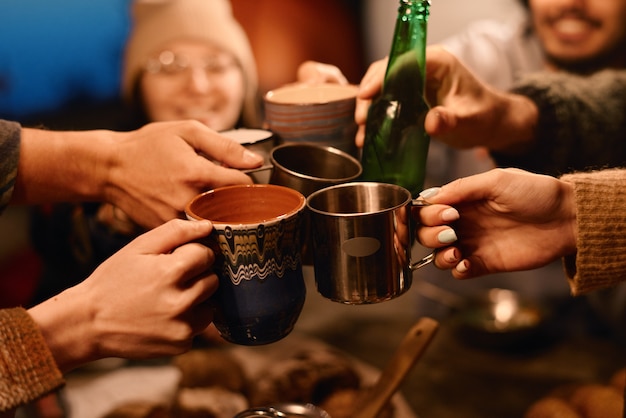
(462, 267)
(430, 192)
(252, 157)
(450, 214)
(451, 255)
(447, 236)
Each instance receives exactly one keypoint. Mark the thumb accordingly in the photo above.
(170, 235)
(439, 122)
(466, 189)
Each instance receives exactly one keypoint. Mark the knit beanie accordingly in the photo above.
(156, 22)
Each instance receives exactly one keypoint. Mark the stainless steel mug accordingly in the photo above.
(307, 167)
(362, 236)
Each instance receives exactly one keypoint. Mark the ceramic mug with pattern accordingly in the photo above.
(257, 239)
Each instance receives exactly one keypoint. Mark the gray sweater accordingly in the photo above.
(582, 122)
(9, 157)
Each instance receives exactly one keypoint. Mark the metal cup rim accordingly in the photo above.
(322, 147)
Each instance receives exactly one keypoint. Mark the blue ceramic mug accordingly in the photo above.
(257, 241)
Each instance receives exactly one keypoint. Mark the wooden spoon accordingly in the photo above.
(372, 401)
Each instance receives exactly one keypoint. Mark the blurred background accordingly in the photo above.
(60, 62)
(60, 68)
(56, 54)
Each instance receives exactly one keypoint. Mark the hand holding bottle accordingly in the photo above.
(464, 111)
(368, 89)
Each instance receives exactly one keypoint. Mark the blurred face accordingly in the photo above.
(581, 33)
(193, 80)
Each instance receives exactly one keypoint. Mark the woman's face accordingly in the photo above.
(189, 79)
(580, 31)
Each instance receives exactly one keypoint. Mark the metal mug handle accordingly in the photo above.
(420, 203)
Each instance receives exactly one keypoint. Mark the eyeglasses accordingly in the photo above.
(170, 63)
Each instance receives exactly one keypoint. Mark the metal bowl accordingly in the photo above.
(501, 318)
(285, 410)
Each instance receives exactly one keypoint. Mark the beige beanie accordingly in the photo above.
(156, 22)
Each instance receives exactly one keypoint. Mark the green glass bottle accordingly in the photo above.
(396, 145)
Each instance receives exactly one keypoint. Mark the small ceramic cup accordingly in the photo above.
(260, 141)
(320, 113)
(257, 241)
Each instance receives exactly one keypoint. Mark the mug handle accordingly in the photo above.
(420, 203)
(423, 262)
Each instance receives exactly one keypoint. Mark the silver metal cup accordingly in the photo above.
(307, 167)
(362, 235)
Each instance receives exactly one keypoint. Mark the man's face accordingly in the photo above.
(581, 33)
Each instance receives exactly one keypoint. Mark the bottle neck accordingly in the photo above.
(407, 58)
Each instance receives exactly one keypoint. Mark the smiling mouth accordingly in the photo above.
(573, 28)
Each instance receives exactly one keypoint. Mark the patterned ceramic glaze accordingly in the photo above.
(257, 241)
(321, 113)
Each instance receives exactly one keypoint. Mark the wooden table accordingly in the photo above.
(455, 379)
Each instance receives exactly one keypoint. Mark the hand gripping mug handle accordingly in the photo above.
(419, 203)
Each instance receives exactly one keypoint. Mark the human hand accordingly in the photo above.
(370, 86)
(156, 170)
(505, 220)
(313, 72)
(466, 112)
(146, 300)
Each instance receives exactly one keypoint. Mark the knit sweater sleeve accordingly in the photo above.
(581, 123)
(600, 260)
(27, 367)
(9, 158)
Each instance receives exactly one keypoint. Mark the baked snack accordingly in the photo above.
(140, 409)
(618, 380)
(208, 402)
(209, 367)
(306, 377)
(591, 400)
(598, 401)
(322, 377)
(551, 407)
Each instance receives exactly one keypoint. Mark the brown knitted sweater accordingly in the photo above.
(601, 217)
(27, 368)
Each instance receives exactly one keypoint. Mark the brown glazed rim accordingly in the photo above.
(317, 94)
(191, 214)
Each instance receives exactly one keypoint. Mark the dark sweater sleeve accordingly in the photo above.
(582, 123)
(27, 367)
(9, 158)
